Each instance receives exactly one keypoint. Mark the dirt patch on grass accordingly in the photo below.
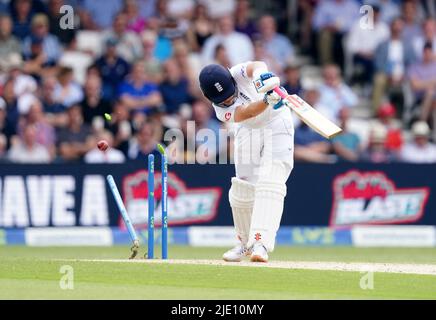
(427, 269)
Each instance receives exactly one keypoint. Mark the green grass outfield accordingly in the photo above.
(34, 273)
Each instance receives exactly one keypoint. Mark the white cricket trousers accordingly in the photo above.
(255, 147)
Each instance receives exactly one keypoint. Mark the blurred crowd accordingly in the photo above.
(372, 71)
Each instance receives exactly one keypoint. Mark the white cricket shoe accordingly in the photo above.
(259, 253)
(236, 254)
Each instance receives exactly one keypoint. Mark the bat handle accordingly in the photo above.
(280, 92)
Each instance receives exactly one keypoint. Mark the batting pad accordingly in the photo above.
(270, 192)
(241, 198)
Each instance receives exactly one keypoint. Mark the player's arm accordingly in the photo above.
(263, 80)
(256, 68)
(255, 108)
(243, 113)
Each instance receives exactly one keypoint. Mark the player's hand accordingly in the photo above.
(272, 98)
(267, 81)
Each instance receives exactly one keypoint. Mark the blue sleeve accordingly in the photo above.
(349, 97)
(55, 49)
(380, 57)
(127, 66)
(26, 48)
(122, 89)
(320, 17)
(153, 87)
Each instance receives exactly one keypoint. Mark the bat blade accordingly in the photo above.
(310, 115)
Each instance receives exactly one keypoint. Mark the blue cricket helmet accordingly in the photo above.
(216, 83)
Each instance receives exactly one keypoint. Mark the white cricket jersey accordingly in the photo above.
(247, 94)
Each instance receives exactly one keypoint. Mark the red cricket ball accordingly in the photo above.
(102, 145)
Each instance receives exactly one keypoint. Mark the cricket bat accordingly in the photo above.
(309, 115)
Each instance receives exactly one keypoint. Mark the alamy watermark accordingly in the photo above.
(367, 280)
(67, 279)
(367, 20)
(207, 146)
(67, 20)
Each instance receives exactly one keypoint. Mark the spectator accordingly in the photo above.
(391, 59)
(111, 155)
(3, 147)
(387, 118)
(201, 28)
(174, 88)
(276, 45)
(180, 9)
(93, 70)
(362, 44)
(54, 111)
(430, 7)
(412, 28)
(22, 16)
(36, 62)
(113, 69)
(261, 54)
(128, 43)
(50, 44)
(79, 60)
(202, 116)
(312, 96)
(75, 140)
(221, 57)
(376, 151)
(170, 24)
(162, 46)
(171, 63)
(190, 65)
(420, 150)
(243, 20)
(93, 104)
(25, 102)
(347, 144)
(6, 129)
(333, 19)
(305, 35)
(226, 8)
(146, 8)
(144, 142)
(292, 82)
(27, 149)
(152, 64)
(422, 77)
(45, 134)
(22, 82)
(428, 36)
(36, 6)
(334, 92)
(64, 35)
(9, 44)
(169, 28)
(121, 127)
(227, 36)
(309, 145)
(389, 9)
(138, 93)
(67, 92)
(11, 108)
(4, 6)
(135, 22)
(97, 15)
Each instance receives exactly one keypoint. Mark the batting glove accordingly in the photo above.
(272, 98)
(266, 82)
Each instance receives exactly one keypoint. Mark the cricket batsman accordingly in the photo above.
(264, 146)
